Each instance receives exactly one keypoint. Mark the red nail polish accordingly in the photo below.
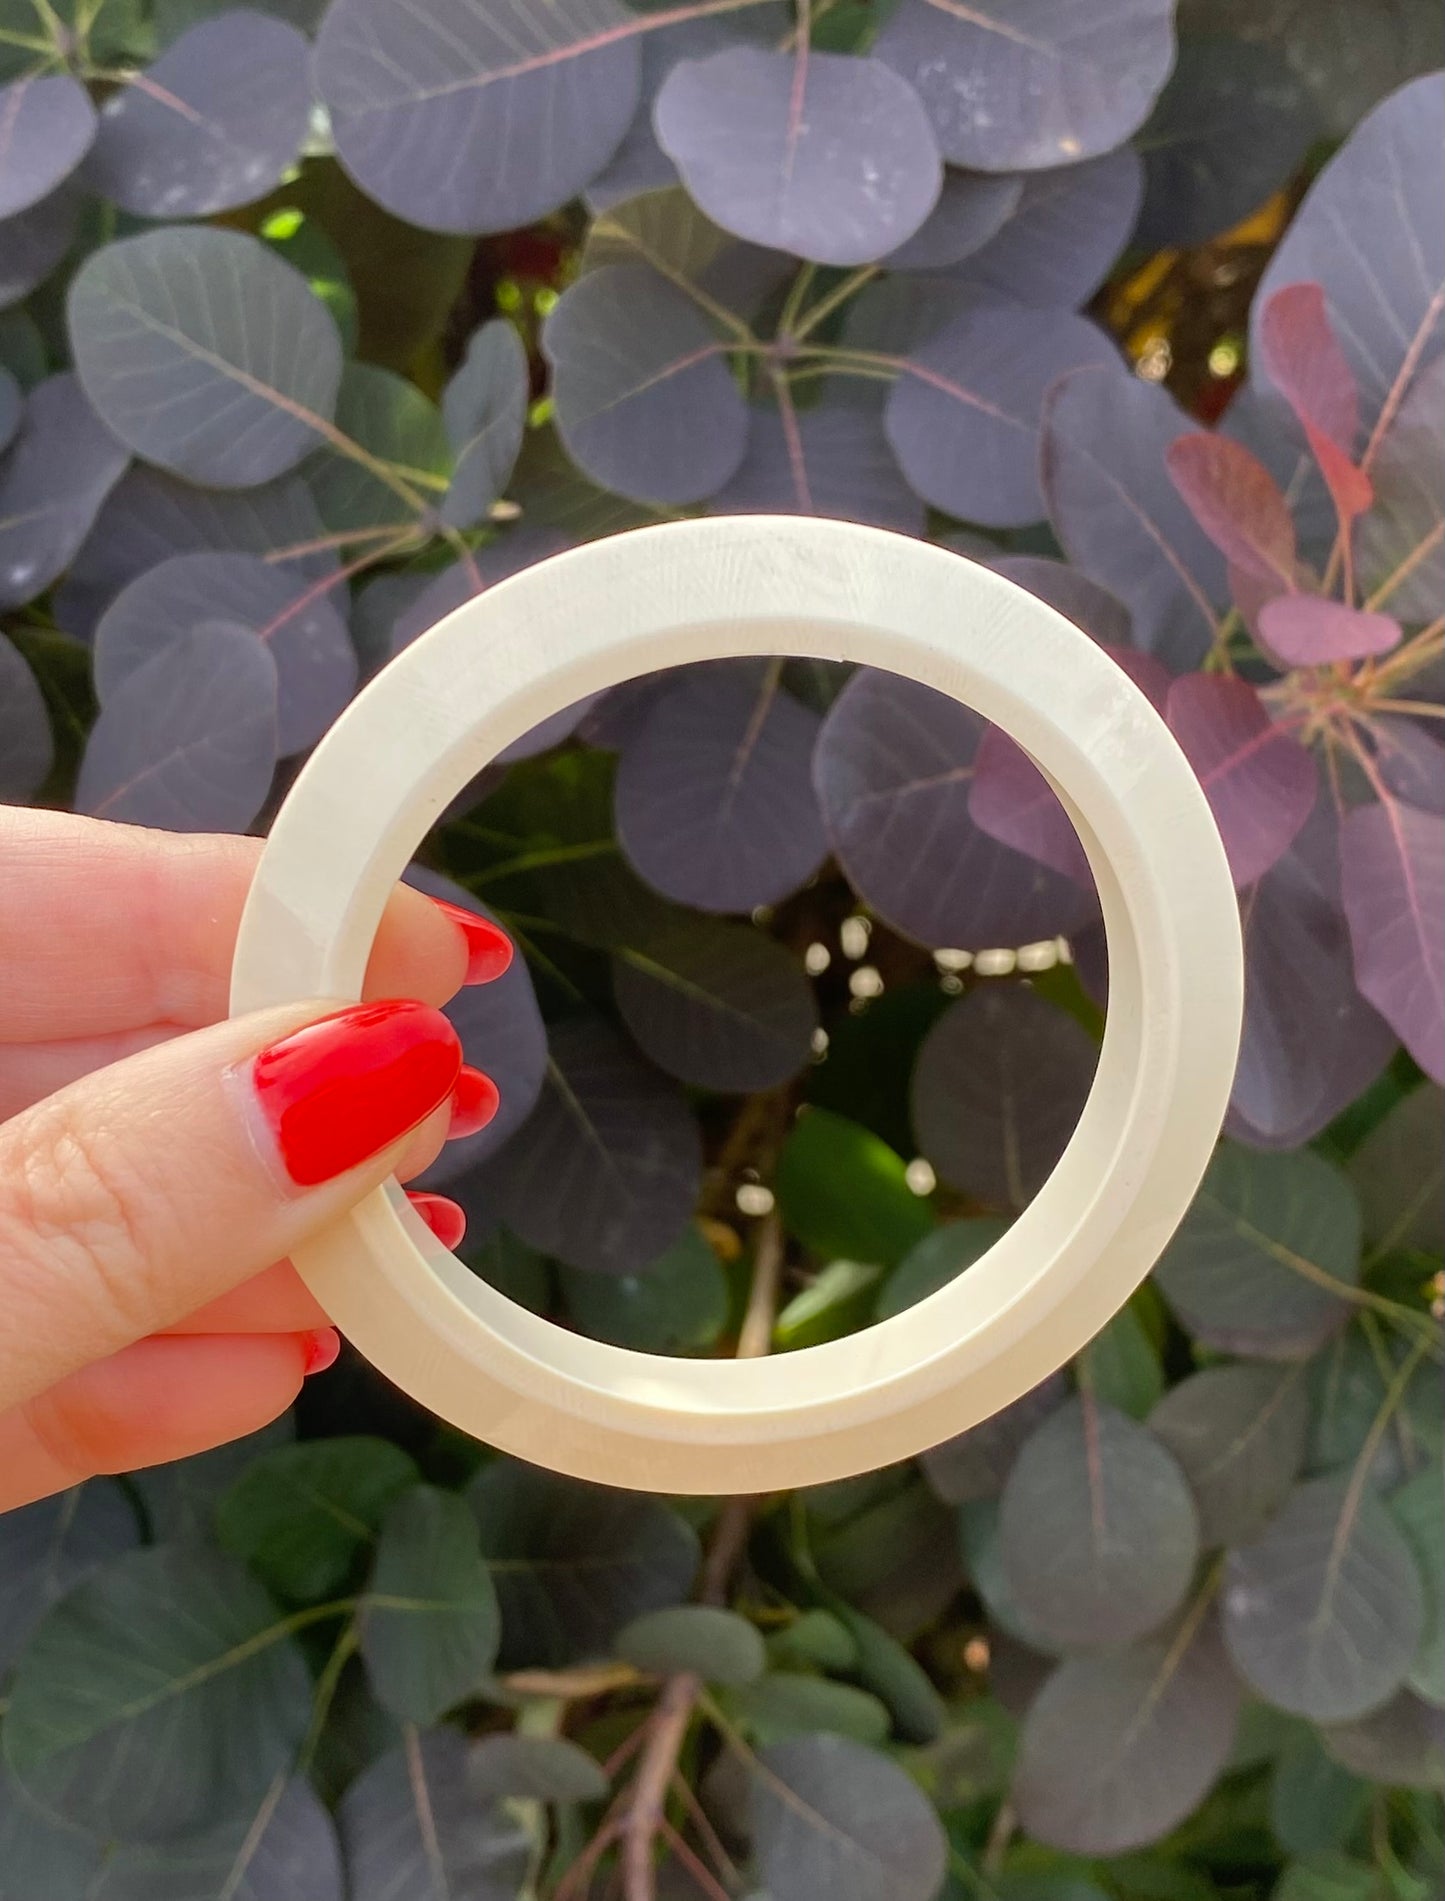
(339, 1091)
(321, 1349)
(489, 950)
(474, 1102)
(446, 1220)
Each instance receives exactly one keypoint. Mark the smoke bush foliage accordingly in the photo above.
(1171, 1626)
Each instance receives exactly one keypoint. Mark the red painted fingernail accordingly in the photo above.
(446, 1220)
(339, 1091)
(474, 1102)
(489, 950)
(321, 1349)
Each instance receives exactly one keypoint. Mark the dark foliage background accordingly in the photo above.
(315, 320)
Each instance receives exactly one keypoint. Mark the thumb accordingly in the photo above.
(145, 1190)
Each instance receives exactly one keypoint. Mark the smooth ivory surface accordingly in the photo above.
(705, 590)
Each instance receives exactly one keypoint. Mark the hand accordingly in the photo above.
(157, 1162)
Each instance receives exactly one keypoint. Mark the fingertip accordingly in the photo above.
(419, 952)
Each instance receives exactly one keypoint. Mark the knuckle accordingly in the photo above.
(69, 1201)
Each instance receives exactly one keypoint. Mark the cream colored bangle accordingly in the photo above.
(709, 590)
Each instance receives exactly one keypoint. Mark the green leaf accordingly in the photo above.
(48, 1547)
(884, 1544)
(844, 1193)
(1122, 1366)
(285, 1851)
(836, 1302)
(815, 1637)
(1399, 1170)
(1327, 1878)
(1314, 1804)
(533, 1769)
(1348, 1383)
(834, 1821)
(573, 1563)
(396, 425)
(300, 1515)
(894, 1676)
(159, 1698)
(786, 1703)
(1251, 1268)
(1419, 1510)
(40, 1857)
(430, 1624)
(938, 1258)
(180, 1498)
(716, 1645)
(868, 1068)
(305, 246)
(678, 1305)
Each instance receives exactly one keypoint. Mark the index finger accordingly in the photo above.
(106, 928)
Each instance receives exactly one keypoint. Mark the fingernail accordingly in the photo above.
(321, 1349)
(489, 950)
(474, 1102)
(446, 1220)
(339, 1091)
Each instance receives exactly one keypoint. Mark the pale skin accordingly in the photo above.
(147, 1307)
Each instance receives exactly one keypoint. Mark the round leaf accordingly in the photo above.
(533, 1769)
(47, 124)
(1035, 82)
(1239, 1432)
(49, 1547)
(1419, 1509)
(830, 459)
(716, 1004)
(52, 484)
(679, 1304)
(477, 117)
(785, 1703)
(971, 209)
(1097, 1530)
(1116, 1750)
(202, 351)
(893, 767)
(187, 742)
(411, 1826)
(286, 1851)
(430, 1623)
(604, 1172)
(1392, 872)
(160, 1697)
(1064, 236)
(1249, 1269)
(573, 1563)
(27, 749)
(963, 417)
(844, 1193)
(295, 620)
(937, 1259)
(214, 123)
(1402, 1744)
(643, 396)
(715, 806)
(717, 1645)
(393, 422)
(835, 1821)
(484, 408)
(32, 244)
(1002, 1079)
(300, 1514)
(1324, 1612)
(1260, 782)
(825, 155)
(977, 1463)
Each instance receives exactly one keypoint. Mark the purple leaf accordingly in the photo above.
(204, 352)
(1305, 630)
(63, 465)
(12, 408)
(832, 459)
(484, 409)
(1088, 605)
(149, 516)
(1311, 1044)
(1013, 802)
(188, 741)
(1067, 232)
(214, 123)
(643, 396)
(719, 1005)
(501, 1031)
(27, 749)
(46, 126)
(893, 768)
(482, 568)
(971, 209)
(715, 805)
(825, 155)
(1302, 356)
(1117, 515)
(284, 1850)
(1260, 782)
(1400, 544)
(1383, 288)
(605, 1171)
(1233, 497)
(1000, 1083)
(481, 116)
(1228, 130)
(1411, 761)
(1031, 83)
(1392, 860)
(963, 417)
(295, 619)
(665, 229)
(977, 1463)
(33, 244)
